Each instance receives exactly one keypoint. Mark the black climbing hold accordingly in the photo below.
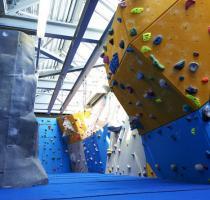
(105, 48)
(191, 90)
(111, 41)
(119, 19)
(206, 113)
(102, 55)
(122, 86)
(193, 67)
(195, 54)
(111, 31)
(122, 44)
(157, 40)
(181, 78)
(130, 89)
(133, 32)
(180, 65)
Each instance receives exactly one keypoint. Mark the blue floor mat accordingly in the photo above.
(107, 187)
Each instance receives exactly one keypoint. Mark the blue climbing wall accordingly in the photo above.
(53, 151)
(181, 150)
(95, 148)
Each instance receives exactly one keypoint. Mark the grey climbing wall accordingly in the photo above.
(126, 154)
(19, 165)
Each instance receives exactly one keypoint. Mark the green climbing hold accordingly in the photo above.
(159, 100)
(145, 49)
(146, 37)
(195, 100)
(137, 10)
(156, 62)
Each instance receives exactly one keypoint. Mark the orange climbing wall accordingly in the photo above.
(182, 39)
(184, 32)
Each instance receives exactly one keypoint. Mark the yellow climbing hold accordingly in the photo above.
(145, 49)
(195, 100)
(137, 10)
(146, 37)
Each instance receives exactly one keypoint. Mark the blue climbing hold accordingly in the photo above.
(193, 67)
(122, 86)
(206, 113)
(181, 78)
(157, 40)
(114, 83)
(114, 64)
(180, 65)
(140, 76)
(130, 50)
(163, 83)
(119, 19)
(191, 90)
(186, 108)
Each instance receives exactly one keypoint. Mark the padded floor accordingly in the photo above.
(107, 187)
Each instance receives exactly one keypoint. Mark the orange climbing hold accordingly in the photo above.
(205, 79)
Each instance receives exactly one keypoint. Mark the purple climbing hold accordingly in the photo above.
(119, 19)
(195, 54)
(149, 94)
(130, 89)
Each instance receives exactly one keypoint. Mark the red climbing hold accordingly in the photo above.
(209, 29)
(205, 79)
(189, 3)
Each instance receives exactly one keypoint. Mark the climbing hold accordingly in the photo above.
(208, 153)
(146, 36)
(137, 10)
(200, 167)
(145, 49)
(195, 54)
(130, 50)
(109, 75)
(111, 41)
(114, 83)
(180, 65)
(156, 63)
(174, 167)
(111, 31)
(193, 131)
(138, 104)
(102, 55)
(157, 166)
(206, 113)
(133, 32)
(209, 29)
(195, 100)
(193, 67)
(130, 89)
(122, 86)
(205, 79)
(181, 78)
(123, 4)
(105, 48)
(106, 60)
(158, 40)
(163, 83)
(122, 44)
(149, 94)
(158, 100)
(114, 64)
(191, 90)
(189, 3)
(186, 108)
(119, 19)
(140, 76)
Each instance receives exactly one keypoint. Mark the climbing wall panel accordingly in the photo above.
(95, 148)
(180, 149)
(141, 14)
(126, 154)
(53, 152)
(184, 47)
(139, 87)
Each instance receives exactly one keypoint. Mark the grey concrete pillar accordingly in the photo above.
(19, 165)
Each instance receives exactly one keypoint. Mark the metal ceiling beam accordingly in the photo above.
(54, 29)
(20, 5)
(44, 74)
(79, 34)
(93, 58)
(50, 55)
(50, 85)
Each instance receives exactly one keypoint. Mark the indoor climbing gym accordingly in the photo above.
(104, 99)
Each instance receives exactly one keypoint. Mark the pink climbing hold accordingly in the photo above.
(189, 3)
